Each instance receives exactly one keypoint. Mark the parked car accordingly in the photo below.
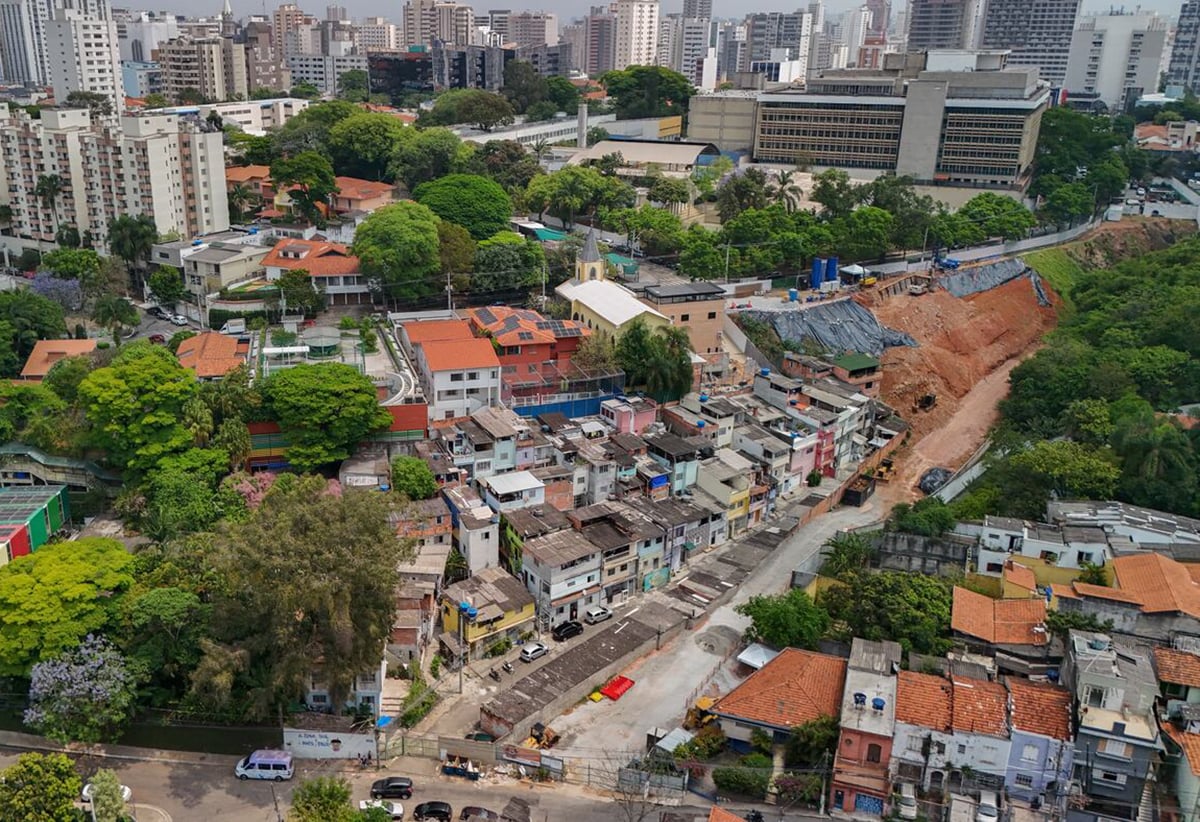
(160, 312)
(532, 651)
(988, 809)
(480, 736)
(394, 809)
(266, 764)
(158, 339)
(472, 812)
(597, 614)
(566, 630)
(178, 319)
(906, 805)
(441, 811)
(126, 793)
(392, 787)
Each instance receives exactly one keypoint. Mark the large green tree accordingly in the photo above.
(84, 694)
(131, 238)
(308, 178)
(398, 250)
(998, 216)
(322, 799)
(647, 91)
(40, 786)
(523, 86)
(353, 86)
(429, 154)
(166, 285)
(788, 620)
(477, 107)
(412, 478)
(911, 609)
(25, 318)
(506, 261)
(476, 203)
(324, 410)
(362, 145)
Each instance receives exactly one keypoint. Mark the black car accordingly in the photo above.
(566, 630)
(440, 811)
(159, 312)
(393, 787)
(473, 814)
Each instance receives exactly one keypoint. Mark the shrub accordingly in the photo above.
(813, 479)
(435, 666)
(742, 781)
(798, 787)
(757, 761)
(347, 323)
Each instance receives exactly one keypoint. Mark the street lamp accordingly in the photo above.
(466, 612)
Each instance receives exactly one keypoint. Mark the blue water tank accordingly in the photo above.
(793, 295)
(831, 270)
(699, 423)
(764, 372)
(818, 272)
(877, 703)
(704, 398)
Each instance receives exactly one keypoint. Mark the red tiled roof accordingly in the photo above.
(209, 354)
(240, 174)
(522, 326)
(793, 688)
(320, 259)
(47, 352)
(1188, 743)
(1040, 708)
(1061, 590)
(1086, 589)
(1177, 667)
(352, 188)
(419, 331)
(455, 355)
(924, 700)
(979, 707)
(999, 621)
(1019, 574)
(721, 815)
(1160, 583)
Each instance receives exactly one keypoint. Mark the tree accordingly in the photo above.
(744, 190)
(108, 803)
(305, 91)
(47, 189)
(476, 203)
(165, 626)
(1093, 574)
(647, 91)
(362, 144)
(40, 786)
(845, 554)
(136, 404)
(353, 86)
(1068, 469)
(523, 86)
(166, 285)
(483, 109)
(577, 190)
(786, 191)
(67, 236)
(864, 234)
(507, 261)
(324, 410)
(911, 609)
(308, 179)
(595, 355)
(562, 93)
(833, 190)
(65, 376)
(65, 293)
(155, 100)
(322, 799)
(95, 103)
(428, 154)
(25, 318)
(131, 238)
(51, 599)
(115, 313)
(701, 256)
(298, 292)
(811, 742)
(788, 620)
(929, 517)
(83, 695)
(998, 216)
(309, 130)
(398, 250)
(412, 478)
(456, 249)
(670, 190)
(656, 231)
(310, 575)
(239, 199)
(234, 439)
(508, 163)
(1067, 203)
(669, 373)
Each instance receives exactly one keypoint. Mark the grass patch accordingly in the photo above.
(1058, 268)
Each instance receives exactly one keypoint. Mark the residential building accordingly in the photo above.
(636, 33)
(523, 524)
(952, 117)
(698, 307)
(532, 28)
(1184, 67)
(981, 745)
(793, 688)
(323, 70)
(1183, 753)
(211, 355)
(1179, 685)
(1037, 33)
(459, 373)
(354, 194)
(728, 478)
(47, 353)
(683, 46)
(1117, 56)
(214, 67)
(924, 730)
(139, 33)
(286, 20)
(710, 418)
(629, 415)
(29, 517)
(941, 24)
(862, 759)
(1042, 757)
(1003, 538)
(333, 269)
(476, 528)
(504, 609)
(82, 55)
(767, 33)
(859, 370)
(1138, 527)
(517, 489)
(161, 166)
(365, 691)
(600, 36)
(140, 79)
(255, 117)
(680, 457)
(1015, 626)
(22, 41)
(534, 352)
(1113, 689)
(562, 571)
(220, 265)
(376, 34)
(856, 24)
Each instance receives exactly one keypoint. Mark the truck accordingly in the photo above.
(234, 327)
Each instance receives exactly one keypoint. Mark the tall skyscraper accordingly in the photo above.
(637, 33)
(697, 9)
(82, 55)
(856, 26)
(600, 33)
(1036, 32)
(768, 32)
(532, 28)
(1184, 68)
(881, 16)
(1117, 56)
(940, 24)
(683, 45)
(22, 40)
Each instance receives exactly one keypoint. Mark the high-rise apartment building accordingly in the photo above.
(22, 41)
(532, 28)
(856, 26)
(1184, 67)
(265, 66)
(575, 35)
(637, 32)
(171, 170)
(82, 55)
(940, 24)
(683, 45)
(881, 16)
(600, 30)
(139, 33)
(323, 70)
(731, 46)
(498, 21)
(697, 9)
(376, 34)
(1036, 33)
(768, 32)
(455, 23)
(215, 67)
(1117, 57)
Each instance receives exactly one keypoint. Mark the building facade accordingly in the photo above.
(1184, 68)
(215, 67)
(636, 33)
(1117, 56)
(940, 24)
(82, 55)
(1036, 32)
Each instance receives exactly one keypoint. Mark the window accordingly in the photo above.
(915, 743)
(712, 315)
(472, 375)
(684, 317)
(1114, 747)
(1030, 753)
(962, 749)
(873, 752)
(456, 377)
(1112, 777)
(319, 699)
(1024, 780)
(994, 568)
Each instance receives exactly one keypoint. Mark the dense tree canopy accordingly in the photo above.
(789, 620)
(309, 180)
(647, 91)
(398, 249)
(476, 203)
(40, 786)
(479, 108)
(362, 145)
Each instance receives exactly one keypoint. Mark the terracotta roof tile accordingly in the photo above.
(793, 688)
(1040, 708)
(47, 352)
(1177, 667)
(924, 700)
(1063, 590)
(1188, 743)
(352, 188)
(420, 331)
(319, 259)
(979, 707)
(1162, 584)
(1086, 589)
(522, 326)
(455, 355)
(999, 621)
(240, 174)
(721, 815)
(1019, 574)
(209, 354)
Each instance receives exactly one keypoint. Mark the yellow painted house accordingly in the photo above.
(604, 306)
(726, 477)
(504, 609)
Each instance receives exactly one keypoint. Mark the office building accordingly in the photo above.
(498, 22)
(140, 33)
(165, 166)
(698, 9)
(265, 67)
(940, 24)
(532, 28)
(1037, 33)
(1184, 68)
(22, 33)
(215, 67)
(881, 16)
(323, 70)
(856, 24)
(575, 35)
(1117, 57)
(548, 61)
(286, 20)
(82, 55)
(600, 32)
(731, 46)
(952, 118)
(769, 32)
(376, 34)
(637, 33)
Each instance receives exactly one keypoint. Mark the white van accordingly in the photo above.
(266, 764)
(906, 806)
(989, 807)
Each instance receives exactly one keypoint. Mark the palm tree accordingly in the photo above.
(198, 420)
(845, 554)
(540, 148)
(786, 191)
(114, 313)
(239, 197)
(48, 187)
(131, 239)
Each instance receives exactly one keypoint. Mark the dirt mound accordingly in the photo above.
(960, 342)
(1113, 242)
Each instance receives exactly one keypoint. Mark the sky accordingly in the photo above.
(566, 9)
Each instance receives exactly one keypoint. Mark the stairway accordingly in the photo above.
(1146, 808)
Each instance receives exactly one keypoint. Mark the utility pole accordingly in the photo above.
(449, 294)
(824, 776)
(727, 262)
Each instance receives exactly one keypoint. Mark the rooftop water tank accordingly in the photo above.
(764, 372)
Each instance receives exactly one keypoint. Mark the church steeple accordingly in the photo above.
(589, 265)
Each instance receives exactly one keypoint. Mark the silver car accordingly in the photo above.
(532, 651)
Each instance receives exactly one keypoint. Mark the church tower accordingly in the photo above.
(589, 265)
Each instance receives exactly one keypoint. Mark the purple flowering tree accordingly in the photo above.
(67, 293)
(83, 695)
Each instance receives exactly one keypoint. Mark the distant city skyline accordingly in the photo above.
(566, 9)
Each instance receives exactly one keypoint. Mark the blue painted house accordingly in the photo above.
(1039, 764)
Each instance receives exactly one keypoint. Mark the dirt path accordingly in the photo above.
(952, 444)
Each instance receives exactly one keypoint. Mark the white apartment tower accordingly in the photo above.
(140, 33)
(1036, 33)
(940, 24)
(532, 28)
(376, 34)
(22, 37)
(637, 33)
(1184, 68)
(82, 55)
(151, 164)
(856, 25)
(1117, 56)
(683, 45)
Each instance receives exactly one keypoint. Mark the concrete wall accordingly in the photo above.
(910, 552)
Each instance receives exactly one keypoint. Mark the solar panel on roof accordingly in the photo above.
(486, 316)
(525, 335)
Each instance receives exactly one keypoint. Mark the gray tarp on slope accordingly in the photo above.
(986, 277)
(837, 326)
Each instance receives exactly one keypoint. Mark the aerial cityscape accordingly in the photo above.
(643, 411)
